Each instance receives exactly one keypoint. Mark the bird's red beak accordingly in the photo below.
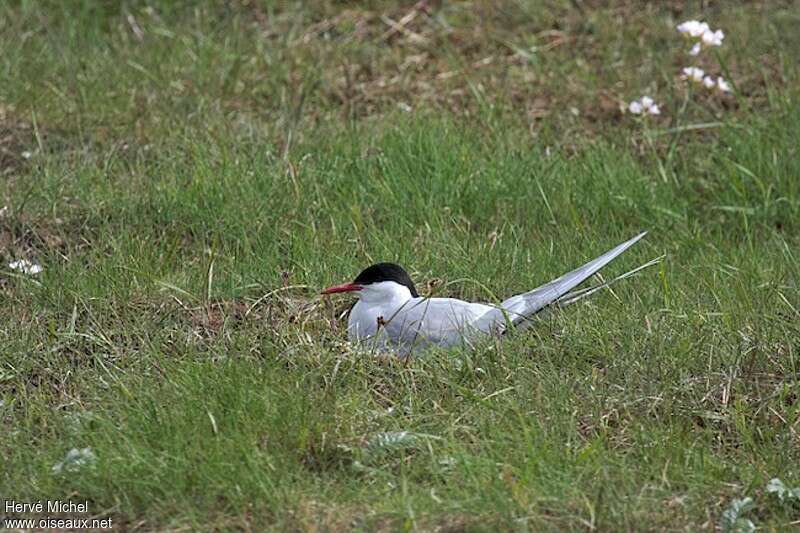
(344, 287)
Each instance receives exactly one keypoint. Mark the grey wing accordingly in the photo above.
(524, 305)
(434, 321)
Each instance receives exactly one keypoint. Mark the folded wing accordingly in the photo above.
(432, 321)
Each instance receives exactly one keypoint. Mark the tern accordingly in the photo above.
(391, 315)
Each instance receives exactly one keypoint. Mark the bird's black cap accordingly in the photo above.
(386, 272)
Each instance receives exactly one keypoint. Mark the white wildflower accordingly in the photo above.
(75, 460)
(644, 105)
(723, 85)
(702, 34)
(693, 28)
(709, 82)
(693, 74)
(25, 266)
(712, 38)
(26, 154)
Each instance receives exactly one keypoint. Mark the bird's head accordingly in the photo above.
(379, 281)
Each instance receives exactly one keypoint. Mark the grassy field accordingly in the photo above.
(189, 175)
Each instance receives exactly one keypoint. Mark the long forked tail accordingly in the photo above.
(524, 306)
(580, 294)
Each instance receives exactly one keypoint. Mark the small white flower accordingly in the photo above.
(75, 460)
(709, 82)
(26, 154)
(700, 31)
(644, 105)
(693, 28)
(25, 266)
(650, 106)
(713, 38)
(723, 85)
(694, 74)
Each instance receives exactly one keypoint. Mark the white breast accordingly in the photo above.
(364, 318)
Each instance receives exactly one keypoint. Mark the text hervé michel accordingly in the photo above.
(46, 506)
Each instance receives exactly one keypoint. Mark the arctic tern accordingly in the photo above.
(390, 314)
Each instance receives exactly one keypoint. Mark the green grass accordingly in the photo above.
(189, 190)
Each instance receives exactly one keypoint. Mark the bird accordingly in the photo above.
(390, 315)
